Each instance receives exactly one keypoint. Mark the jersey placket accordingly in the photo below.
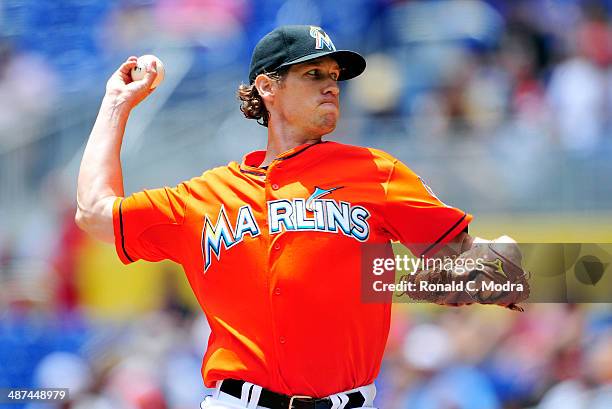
(277, 187)
(273, 191)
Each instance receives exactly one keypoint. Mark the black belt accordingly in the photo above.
(273, 400)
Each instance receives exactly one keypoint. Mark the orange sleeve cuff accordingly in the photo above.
(450, 234)
(118, 229)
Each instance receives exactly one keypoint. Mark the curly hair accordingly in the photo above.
(251, 103)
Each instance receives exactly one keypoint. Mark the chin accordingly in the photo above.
(324, 130)
(328, 123)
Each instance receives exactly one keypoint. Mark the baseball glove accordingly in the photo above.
(498, 278)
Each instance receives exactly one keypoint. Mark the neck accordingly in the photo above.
(284, 138)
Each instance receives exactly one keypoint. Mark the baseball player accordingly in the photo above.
(271, 245)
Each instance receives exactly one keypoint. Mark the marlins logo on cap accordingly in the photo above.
(321, 39)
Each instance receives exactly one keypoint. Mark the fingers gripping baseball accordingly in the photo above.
(125, 89)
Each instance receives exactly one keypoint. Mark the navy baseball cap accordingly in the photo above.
(288, 45)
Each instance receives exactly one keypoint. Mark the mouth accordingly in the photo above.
(334, 104)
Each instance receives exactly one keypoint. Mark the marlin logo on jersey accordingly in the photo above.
(312, 214)
(321, 39)
(317, 194)
(223, 232)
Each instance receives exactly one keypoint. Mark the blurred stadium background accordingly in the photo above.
(502, 106)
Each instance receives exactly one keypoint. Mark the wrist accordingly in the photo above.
(116, 106)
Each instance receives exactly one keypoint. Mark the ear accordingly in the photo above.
(265, 87)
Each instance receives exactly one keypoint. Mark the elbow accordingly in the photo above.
(97, 220)
(84, 218)
(80, 220)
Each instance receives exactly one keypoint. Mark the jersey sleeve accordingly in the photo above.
(148, 225)
(416, 217)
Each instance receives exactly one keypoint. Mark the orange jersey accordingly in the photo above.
(273, 257)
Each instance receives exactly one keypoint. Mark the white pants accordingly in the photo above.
(221, 400)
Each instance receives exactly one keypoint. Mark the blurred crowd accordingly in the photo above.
(523, 74)
(553, 356)
(436, 69)
(152, 363)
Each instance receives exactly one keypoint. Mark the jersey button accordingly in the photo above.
(277, 291)
(277, 246)
(282, 340)
(275, 186)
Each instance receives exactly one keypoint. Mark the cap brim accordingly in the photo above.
(351, 63)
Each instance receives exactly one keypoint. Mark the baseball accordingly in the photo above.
(139, 71)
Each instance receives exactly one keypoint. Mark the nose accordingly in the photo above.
(331, 87)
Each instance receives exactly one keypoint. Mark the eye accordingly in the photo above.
(316, 73)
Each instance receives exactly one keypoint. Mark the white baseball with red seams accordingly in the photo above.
(144, 61)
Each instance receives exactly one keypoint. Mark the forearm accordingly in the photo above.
(100, 178)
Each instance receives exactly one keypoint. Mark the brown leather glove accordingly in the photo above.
(498, 278)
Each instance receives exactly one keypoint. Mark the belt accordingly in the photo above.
(273, 400)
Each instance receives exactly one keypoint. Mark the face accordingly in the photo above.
(307, 98)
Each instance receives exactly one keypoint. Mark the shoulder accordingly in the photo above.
(382, 159)
(218, 176)
(219, 172)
